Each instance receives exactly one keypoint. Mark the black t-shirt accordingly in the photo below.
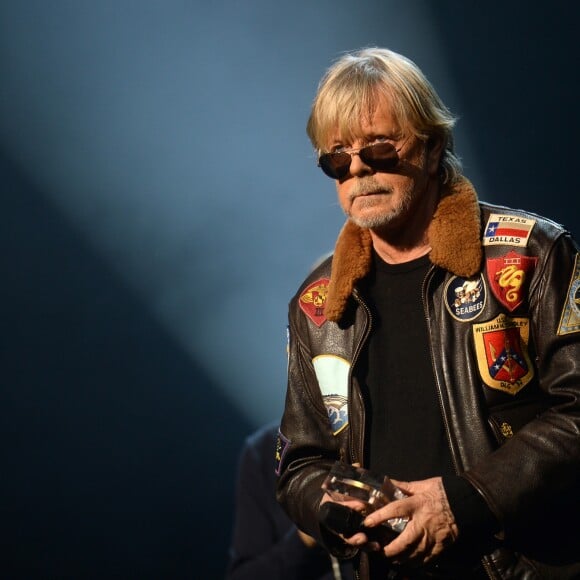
(406, 435)
(405, 431)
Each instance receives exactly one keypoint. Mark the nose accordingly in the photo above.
(357, 166)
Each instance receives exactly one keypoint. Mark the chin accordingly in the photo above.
(372, 222)
(374, 219)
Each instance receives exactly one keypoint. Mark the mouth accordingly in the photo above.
(354, 195)
(378, 192)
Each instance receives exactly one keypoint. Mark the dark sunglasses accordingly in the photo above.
(378, 156)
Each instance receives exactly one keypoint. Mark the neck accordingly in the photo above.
(394, 254)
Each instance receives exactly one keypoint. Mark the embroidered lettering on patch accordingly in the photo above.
(465, 297)
(502, 353)
(281, 447)
(570, 319)
(507, 230)
(312, 301)
(332, 373)
(509, 277)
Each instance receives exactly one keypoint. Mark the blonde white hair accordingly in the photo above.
(353, 86)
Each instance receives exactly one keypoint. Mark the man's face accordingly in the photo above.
(375, 199)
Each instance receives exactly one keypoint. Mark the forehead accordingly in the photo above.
(377, 119)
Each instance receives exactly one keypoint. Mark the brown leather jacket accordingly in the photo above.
(502, 305)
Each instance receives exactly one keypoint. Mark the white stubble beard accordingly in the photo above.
(369, 186)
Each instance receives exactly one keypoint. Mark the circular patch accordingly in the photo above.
(465, 297)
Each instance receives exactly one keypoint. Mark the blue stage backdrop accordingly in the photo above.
(160, 202)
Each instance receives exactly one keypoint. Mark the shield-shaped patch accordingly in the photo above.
(509, 277)
(312, 301)
(502, 353)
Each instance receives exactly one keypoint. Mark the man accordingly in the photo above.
(439, 345)
(265, 542)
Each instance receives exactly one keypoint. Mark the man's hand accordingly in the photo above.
(342, 520)
(431, 526)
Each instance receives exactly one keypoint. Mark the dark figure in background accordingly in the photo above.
(439, 345)
(266, 545)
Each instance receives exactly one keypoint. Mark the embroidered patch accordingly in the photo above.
(281, 448)
(507, 230)
(502, 353)
(312, 301)
(465, 297)
(508, 277)
(570, 319)
(332, 373)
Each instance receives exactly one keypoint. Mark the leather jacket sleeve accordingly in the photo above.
(310, 446)
(528, 480)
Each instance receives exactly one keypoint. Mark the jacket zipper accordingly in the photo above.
(426, 281)
(358, 349)
(360, 435)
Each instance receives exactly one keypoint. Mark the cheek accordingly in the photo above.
(342, 194)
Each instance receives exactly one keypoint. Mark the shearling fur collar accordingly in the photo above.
(454, 235)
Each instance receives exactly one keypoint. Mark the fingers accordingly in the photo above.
(360, 540)
(403, 485)
(423, 520)
(430, 525)
(399, 510)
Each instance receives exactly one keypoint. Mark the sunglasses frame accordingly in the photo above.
(385, 163)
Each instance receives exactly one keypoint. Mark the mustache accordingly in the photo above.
(368, 186)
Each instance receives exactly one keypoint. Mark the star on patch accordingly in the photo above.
(511, 230)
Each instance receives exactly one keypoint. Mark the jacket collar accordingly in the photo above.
(454, 235)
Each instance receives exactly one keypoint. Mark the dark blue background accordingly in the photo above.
(160, 204)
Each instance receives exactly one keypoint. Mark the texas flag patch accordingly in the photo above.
(312, 301)
(507, 230)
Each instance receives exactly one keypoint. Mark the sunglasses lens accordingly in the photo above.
(335, 165)
(381, 156)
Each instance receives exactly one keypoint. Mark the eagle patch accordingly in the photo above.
(465, 297)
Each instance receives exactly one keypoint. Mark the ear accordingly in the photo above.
(435, 146)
